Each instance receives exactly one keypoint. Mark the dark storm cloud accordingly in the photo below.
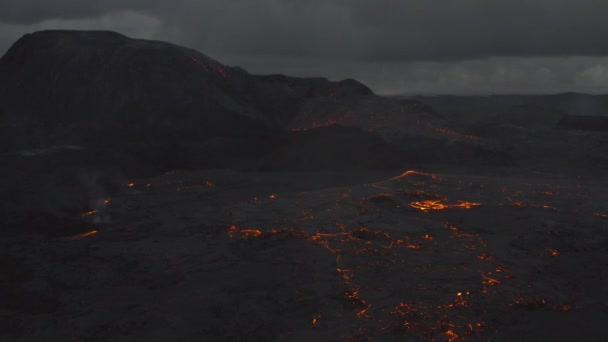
(395, 30)
(464, 29)
(388, 30)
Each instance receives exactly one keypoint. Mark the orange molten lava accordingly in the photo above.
(429, 205)
(245, 232)
(449, 335)
(408, 173)
(89, 213)
(83, 235)
(456, 313)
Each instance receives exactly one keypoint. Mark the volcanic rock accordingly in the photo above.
(583, 123)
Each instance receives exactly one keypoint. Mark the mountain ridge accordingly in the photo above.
(96, 76)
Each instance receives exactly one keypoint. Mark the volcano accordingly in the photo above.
(76, 87)
(76, 103)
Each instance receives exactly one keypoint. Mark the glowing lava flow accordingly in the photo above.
(410, 173)
(94, 214)
(436, 282)
(424, 310)
(245, 232)
(601, 215)
(89, 213)
(83, 235)
(429, 205)
(362, 246)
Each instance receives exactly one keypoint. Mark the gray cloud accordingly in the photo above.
(360, 29)
(394, 45)
(34, 11)
(392, 30)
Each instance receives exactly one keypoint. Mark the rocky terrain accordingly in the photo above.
(224, 255)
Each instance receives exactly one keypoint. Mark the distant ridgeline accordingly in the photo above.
(563, 111)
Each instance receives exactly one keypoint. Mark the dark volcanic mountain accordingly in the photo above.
(59, 87)
(79, 107)
(147, 106)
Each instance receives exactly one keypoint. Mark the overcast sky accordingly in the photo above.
(393, 46)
